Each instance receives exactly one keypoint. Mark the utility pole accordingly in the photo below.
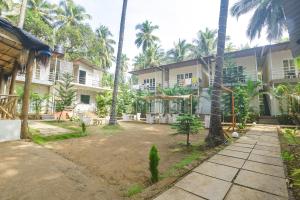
(22, 14)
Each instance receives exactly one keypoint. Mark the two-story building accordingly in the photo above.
(270, 65)
(86, 81)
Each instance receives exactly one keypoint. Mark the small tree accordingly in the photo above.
(103, 101)
(153, 164)
(83, 128)
(65, 93)
(37, 101)
(187, 124)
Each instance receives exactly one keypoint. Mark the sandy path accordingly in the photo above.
(29, 171)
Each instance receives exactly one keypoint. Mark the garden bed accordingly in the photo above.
(119, 156)
(290, 148)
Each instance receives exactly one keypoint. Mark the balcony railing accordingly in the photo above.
(8, 105)
(285, 74)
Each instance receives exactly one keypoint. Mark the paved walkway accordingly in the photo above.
(250, 169)
(47, 129)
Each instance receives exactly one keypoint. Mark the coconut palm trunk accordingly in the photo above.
(216, 136)
(113, 120)
(22, 13)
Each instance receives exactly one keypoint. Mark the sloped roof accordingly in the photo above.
(12, 41)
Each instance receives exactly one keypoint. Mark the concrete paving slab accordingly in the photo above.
(266, 159)
(226, 160)
(242, 193)
(235, 154)
(47, 129)
(176, 193)
(243, 145)
(264, 168)
(266, 183)
(267, 144)
(267, 148)
(241, 149)
(216, 170)
(266, 153)
(247, 140)
(204, 186)
(269, 139)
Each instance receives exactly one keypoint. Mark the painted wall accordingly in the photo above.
(10, 130)
(93, 76)
(195, 70)
(157, 75)
(81, 107)
(277, 63)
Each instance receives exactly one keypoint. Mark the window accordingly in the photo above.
(82, 77)
(150, 83)
(289, 68)
(85, 99)
(233, 75)
(182, 77)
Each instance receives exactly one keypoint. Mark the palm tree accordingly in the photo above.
(267, 13)
(216, 136)
(106, 46)
(112, 119)
(5, 5)
(124, 67)
(70, 14)
(139, 61)
(9, 9)
(205, 44)
(154, 56)
(43, 9)
(180, 51)
(145, 37)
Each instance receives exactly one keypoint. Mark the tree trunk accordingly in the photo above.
(112, 120)
(13, 79)
(22, 14)
(188, 139)
(216, 136)
(26, 96)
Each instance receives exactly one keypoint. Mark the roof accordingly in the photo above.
(292, 8)
(87, 63)
(12, 41)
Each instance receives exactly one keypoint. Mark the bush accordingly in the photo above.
(153, 164)
(187, 124)
(285, 119)
(253, 117)
(83, 128)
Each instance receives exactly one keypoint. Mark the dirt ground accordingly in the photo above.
(121, 158)
(100, 166)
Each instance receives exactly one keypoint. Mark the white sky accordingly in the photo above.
(176, 19)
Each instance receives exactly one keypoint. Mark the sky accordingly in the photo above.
(175, 18)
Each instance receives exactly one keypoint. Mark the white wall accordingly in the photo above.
(277, 63)
(195, 70)
(80, 107)
(157, 75)
(10, 130)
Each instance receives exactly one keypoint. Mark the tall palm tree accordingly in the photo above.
(216, 136)
(267, 13)
(145, 37)
(154, 56)
(139, 61)
(124, 67)
(180, 51)
(43, 9)
(5, 5)
(112, 119)
(70, 14)
(205, 44)
(9, 9)
(104, 37)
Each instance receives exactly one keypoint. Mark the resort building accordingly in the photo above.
(86, 80)
(271, 65)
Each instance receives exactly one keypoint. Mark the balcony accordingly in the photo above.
(284, 75)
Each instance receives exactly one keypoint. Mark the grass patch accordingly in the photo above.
(44, 139)
(133, 190)
(195, 154)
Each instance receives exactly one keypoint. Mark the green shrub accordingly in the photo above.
(296, 177)
(187, 124)
(290, 135)
(287, 156)
(153, 164)
(83, 128)
(253, 117)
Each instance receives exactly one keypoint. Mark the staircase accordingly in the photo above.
(267, 120)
